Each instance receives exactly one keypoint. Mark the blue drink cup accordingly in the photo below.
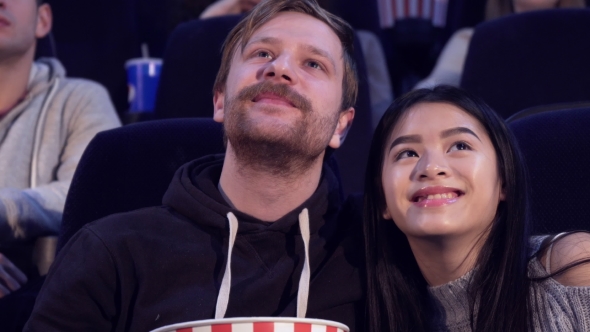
(143, 76)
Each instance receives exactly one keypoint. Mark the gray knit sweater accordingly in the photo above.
(41, 141)
(564, 308)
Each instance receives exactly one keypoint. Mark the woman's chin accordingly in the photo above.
(433, 229)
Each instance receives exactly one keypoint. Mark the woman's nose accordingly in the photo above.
(432, 165)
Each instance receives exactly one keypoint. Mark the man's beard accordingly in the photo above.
(287, 154)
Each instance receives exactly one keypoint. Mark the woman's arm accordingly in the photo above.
(565, 253)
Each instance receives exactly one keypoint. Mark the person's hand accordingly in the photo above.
(11, 278)
(247, 5)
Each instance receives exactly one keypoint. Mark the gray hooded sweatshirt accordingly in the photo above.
(41, 142)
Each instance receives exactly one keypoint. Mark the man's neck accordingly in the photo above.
(266, 196)
(14, 78)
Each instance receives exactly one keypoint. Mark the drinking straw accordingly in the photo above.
(145, 52)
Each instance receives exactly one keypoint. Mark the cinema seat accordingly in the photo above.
(530, 59)
(556, 152)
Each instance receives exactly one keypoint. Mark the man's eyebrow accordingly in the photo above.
(319, 52)
(263, 40)
(405, 139)
(457, 131)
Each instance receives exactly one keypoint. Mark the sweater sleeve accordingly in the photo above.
(79, 293)
(37, 211)
(559, 307)
(565, 308)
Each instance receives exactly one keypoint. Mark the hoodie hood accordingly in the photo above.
(44, 77)
(45, 71)
(193, 192)
(160, 266)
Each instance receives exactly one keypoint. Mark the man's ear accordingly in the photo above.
(218, 106)
(44, 21)
(344, 122)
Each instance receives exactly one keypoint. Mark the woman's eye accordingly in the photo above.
(406, 154)
(459, 146)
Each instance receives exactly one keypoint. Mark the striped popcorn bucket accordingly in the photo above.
(257, 324)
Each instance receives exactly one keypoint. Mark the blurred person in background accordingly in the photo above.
(46, 122)
(185, 10)
(229, 7)
(449, 66)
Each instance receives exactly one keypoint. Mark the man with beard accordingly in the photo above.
(260, 231)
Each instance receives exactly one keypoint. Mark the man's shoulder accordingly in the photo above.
(85, 97)
(82, 87)
(349, 230)
(153, 222)
(52, 69)
(142, 219)
(351, 212)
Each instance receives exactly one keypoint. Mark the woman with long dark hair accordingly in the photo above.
(446, 235)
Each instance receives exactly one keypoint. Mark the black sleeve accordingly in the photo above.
(80, 292)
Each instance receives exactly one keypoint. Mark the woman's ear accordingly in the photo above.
(386, 214)
(502, 196)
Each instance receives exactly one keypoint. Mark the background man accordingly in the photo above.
(284, 92)
(46, 121)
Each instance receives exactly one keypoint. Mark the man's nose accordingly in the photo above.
(432, 165)
(281, 69)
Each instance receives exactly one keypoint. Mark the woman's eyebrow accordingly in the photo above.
(457, 131)
(405, 139)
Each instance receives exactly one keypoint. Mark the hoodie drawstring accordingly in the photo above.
(223, 297)
(302, 293)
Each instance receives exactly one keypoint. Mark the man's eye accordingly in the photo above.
(263, 54)
(314, 64)
(406, 154)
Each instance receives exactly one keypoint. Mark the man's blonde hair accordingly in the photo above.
(269, 9)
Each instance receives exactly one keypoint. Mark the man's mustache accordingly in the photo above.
(281, 90)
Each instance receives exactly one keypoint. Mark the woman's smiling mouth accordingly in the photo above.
(436, 196)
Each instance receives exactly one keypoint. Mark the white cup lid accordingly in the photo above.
(138, 61)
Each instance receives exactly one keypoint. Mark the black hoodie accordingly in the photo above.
(141, 270)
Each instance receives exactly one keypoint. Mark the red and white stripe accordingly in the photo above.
(262, 327)
(395, 10)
